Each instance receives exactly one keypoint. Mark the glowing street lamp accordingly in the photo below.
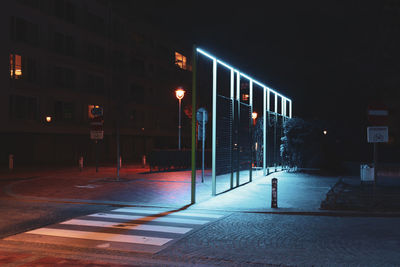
(254, 117)
(180, 93)
(325, 132)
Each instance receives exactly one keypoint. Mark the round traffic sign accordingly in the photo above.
(200, 114)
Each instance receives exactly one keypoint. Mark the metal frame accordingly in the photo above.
(266, 106)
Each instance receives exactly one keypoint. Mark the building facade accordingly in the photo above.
(62, 57)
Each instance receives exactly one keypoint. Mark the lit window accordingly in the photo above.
(15, 66)
(245, 97)
(180, 61)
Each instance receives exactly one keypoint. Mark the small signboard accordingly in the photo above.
(96, 121)
(378, 114)
(96, 135)
(378, 134)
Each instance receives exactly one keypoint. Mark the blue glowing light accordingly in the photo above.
(284, 98)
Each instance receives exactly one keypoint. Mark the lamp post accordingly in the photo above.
(180, 93)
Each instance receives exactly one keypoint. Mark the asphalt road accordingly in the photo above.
(19, 215)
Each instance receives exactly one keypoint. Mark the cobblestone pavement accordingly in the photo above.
(243, 238)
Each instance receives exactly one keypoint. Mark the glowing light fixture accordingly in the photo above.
(48, 119)
(180, 93)
(254, 115)
(325, 132)
(247, 77)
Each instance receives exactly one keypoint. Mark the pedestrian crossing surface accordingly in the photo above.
(132, 229)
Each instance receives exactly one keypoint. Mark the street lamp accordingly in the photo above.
(180, 93)
(254, 116)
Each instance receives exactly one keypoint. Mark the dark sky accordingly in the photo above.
(326, 55)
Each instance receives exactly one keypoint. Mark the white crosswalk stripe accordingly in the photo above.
(129, 229)
(148, 218)
(129, 226)
(156, 241)
(180, 213)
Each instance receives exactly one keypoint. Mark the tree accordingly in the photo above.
(301, 144)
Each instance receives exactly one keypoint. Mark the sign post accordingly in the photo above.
(96, 128)
(378, 133)
(202, 118)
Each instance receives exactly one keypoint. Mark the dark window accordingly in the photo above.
(69, 46)
(58, 42)
(95, 84)
(137, 93)
(64, 77)
(95, 54)
(64, 44)
(70, 12)
(24, 31)
(21, 30)
(95, 23)
(23, 108)
(137, 66)
(31, 70)
(64, 111)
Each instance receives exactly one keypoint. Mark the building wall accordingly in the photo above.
(79, 53)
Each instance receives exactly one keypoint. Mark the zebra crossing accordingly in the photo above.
(131, 229)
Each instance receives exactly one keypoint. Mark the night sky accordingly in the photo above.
(328, 56)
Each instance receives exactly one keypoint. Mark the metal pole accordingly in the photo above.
(202, 152)
(179, 126)
(268, 107)
(117, 149)
(251, 130)
(214, 127)
(275, 132)
(96, 155)
(265, 132)
(194, 78)
(375, 162)
(237, 128)
(232, 125)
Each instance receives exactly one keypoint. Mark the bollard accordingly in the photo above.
(11, 162)
(144, 161)
(81, 163)
(274, 197)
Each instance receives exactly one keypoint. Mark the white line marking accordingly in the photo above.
(180, 213)
(135, 239)
(148, 218)
(129, 226)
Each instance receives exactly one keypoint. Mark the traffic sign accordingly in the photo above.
(378, 134)
(378, 114)
(202, 115)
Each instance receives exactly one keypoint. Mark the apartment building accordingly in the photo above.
(62, 57)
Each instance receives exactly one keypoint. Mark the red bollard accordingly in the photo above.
(11, 162)
(81, 163)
